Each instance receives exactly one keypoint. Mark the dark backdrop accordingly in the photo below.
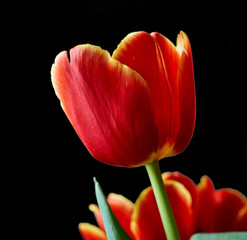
(53, 185)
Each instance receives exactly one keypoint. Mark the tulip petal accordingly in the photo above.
(241, 220)
(186, 181)
(228, 203)
(146, 222)
(91, 232)
(186, 92)
(96, 211)
(219, 211)
(123, 209)
(205, 210)
(156, 59)
(169, 59)
(108, 104)
(113, 228)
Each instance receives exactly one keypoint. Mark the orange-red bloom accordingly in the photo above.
(198, 208)
(134, 106)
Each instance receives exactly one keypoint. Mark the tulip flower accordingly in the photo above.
(196, 208)
(132, 108)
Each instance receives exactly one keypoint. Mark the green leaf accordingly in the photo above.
(220, 236)
(114, 230)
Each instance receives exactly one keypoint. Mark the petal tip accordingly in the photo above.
(183, 44)
(89, 231)
(93, 208)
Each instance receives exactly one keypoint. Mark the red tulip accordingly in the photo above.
(198, 208)
(134, 107)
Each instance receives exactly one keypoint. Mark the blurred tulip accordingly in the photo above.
(196, 209)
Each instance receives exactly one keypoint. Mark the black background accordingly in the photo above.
(51, 168)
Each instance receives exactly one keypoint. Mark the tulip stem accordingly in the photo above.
(162, 200)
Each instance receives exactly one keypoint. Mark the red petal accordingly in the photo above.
(186, 181)
(91, 232)
(205, 210)
(146, 223)
(241, 220)
(168, 58)
(95, 209)
(121, 207)
(186, 92)
(228, 203)
(218, 211)
(123, 210)
(156, 59)
(108, 104)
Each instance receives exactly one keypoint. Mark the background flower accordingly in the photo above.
(196, 208)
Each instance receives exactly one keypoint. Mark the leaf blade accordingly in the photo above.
(220, 236)
(114, 230)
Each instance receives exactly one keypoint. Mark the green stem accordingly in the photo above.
(162, 200)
